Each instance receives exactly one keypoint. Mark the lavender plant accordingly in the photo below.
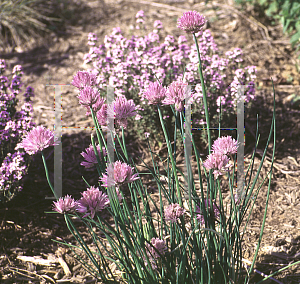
(13, 126)
(130, 65)
(192, 235)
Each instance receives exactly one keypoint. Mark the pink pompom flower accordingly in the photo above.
(173, 212)
(65, 204)
(117, 174)
(159, 245)
(120, 110)
(225, 145)
(155, 93)
(90, 157)
(93, 200)
(89, 96)
(38, 139)
(83, 79)
(218, 163)
(176, 94)
(158, 249)
(102, 115)
(191, 22)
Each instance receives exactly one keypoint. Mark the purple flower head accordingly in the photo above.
(65, 204)
(218, 162)
(216, 212)
(38, 139)
(102, 115)
(89, 96)
(176, 94)
(173, 212)
(159, 245)
(117, 174)
(121, 109)
(16, 84)
(29, 93)
(93, 200)
(155, 93)
(96, 106)
(225, 145)
(90, 156)
(83, 79)
(3, 82)
(191, 22)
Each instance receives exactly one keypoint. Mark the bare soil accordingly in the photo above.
(26, 230)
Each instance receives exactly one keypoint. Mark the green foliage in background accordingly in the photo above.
(285, 11)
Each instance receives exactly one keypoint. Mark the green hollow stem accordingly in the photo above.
(99, 132)
(204, 94)
(47, 175)
(171, 156)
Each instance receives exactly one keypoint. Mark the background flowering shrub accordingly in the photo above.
(131, 64)
(13, 126)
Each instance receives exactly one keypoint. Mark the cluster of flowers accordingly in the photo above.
(130, 65)
(120, 109)
(218, 160)
(93, 200)
(13, 126)
(117, 174)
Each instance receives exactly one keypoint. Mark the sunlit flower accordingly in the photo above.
(38, 139)
(93, 200)
(120, 110)
(191, 22)
(225, 145)
(102, 115)
(117, 174)
(65, 204)
(83, 79)
(218, 162)
(155, 93)
(176, 94)
(89, 96)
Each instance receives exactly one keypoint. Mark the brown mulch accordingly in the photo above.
(27, 231)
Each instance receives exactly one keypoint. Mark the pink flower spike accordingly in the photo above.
(117, 174)
(173, 212)
(191, 22)
(38, 139)
(83, 79)
(90, 156)
(88, 96)
(225, 145)
(65, 204)
(155, 93)
(93, 200)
